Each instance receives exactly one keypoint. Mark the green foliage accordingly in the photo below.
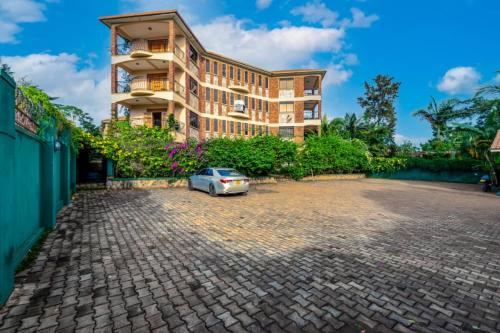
(256, 156)
(184, 158)
(406, 149)
(136, 151)
(387, 164)
(444, 164)
(330, 154)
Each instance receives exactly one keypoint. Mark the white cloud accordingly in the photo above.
(263, 4)
(459, 80)
(360, 19)
(190, 10)
(15, 12)
(276, 48)
(316, 12)
(62, 76)
(336, 75)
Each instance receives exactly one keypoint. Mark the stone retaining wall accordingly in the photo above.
(120, 184)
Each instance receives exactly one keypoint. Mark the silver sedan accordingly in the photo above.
(219, 181)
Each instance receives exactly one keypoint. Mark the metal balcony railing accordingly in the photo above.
(153, 46)
(179, 89)
(311, 115)
(311, 92)
(179, 53)
(143, 84)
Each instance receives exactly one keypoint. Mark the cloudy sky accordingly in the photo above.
(443, 48)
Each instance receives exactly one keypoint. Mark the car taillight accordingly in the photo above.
(225, 180)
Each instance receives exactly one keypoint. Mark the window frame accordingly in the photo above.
(207, 124)
(207, 66)
(216, 68)
(194, 120)
(207, 94)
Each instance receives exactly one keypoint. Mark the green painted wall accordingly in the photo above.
(444, 176)
(36, 181)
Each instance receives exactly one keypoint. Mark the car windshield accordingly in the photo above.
(229, 172)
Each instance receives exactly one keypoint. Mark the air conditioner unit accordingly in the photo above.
(239, 106)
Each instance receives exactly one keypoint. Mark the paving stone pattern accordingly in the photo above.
(333, 256)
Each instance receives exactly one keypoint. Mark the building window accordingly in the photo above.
(224, 98)
(193, 120)
(260, 80)
(223, 126)
(238, 76)
(286, 113)
(286, 84)
(239, 128)
(193, 86)
(207, 124)
(207, 66)
(231, 72)
(253, 129)
(253, 78)
(267, 130)
(207, 94)
(246, 76)
(193, 54)
(260, 130)
(253, 103)
(266, 107)
(223, 70)
(246, 128)
(231, 127)
(246, 102)
(266, 83)
(260, 104)
(216, 125)
(286, 132)
(216, 68)
(157, 119)
(216, 96)
(231, 99)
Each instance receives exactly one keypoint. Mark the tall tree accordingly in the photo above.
(378, 103)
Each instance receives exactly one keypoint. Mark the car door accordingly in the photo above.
(209, 175)
(197, 179)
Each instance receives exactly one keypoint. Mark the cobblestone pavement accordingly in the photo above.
(333, 256)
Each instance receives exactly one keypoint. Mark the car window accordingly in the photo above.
(201, 172)
(209, 172)
(229, 172)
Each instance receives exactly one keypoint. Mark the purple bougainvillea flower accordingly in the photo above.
(175, 165)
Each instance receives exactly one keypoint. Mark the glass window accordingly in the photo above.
(260, 104)
(209, 172)
(216, 96)
(224, 97)
(266, 83)
(231, 72)
(216, 68)
(193, 120)
(239, 74)
(223, 70)
(246, 77)
(286, 107)
(266, 106)
(253, 129)
(246, 101)
(246, 128)
(286, 84)
(207, 124)
(207, 94)
(253, 78)
(239, 128)
(193, 54)
(253, 103)
(286, 132)
(260, 80)
(260, 130)
(223, 126)
(267, 130)
(231, 127)
(231, 99)
(228, 172)
(193, 86)
(207, 66)
(216, 125)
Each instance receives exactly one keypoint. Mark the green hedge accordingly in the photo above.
(382, 164)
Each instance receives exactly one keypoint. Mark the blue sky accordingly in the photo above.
(441, 48)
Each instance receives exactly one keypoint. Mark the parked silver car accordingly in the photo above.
(219, 181)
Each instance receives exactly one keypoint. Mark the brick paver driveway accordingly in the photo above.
(337, 256)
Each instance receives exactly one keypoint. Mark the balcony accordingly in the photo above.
(179, 89)
(311, 92)
(239, 110)
(142, 48)
(179, 53)
(147, 87)
(311, 114)
(142, 91)
(286, 94)
(238, 87)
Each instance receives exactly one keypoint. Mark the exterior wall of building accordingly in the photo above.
(220, 83)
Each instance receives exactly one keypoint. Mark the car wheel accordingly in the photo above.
(244, 193)
(190, 185)
(211, 190)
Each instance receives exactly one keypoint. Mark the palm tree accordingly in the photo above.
(352, 125)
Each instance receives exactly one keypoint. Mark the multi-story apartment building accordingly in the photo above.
(158, 68)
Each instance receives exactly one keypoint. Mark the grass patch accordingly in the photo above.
(32, 254)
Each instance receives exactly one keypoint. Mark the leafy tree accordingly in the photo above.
(79, 117)
(378, 103)
(438, 115)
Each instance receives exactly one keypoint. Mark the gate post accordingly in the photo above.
(65, 139)
(48, 199)
(7, 185)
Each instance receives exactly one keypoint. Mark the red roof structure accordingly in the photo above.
(495, 146)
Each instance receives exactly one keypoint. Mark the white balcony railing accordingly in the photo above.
(193, 68)
(179, 89)
(286, 94)
(207, 107)
(193, 101)
(179, 53)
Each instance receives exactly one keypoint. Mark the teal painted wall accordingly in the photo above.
(444, 176)
(36, 181)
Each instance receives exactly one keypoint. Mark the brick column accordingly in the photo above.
(171, 36)
(299, 86)
(114, 79)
